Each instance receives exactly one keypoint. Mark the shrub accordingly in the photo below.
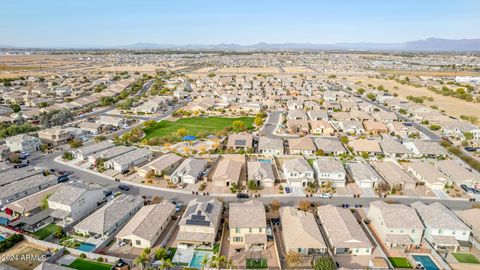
(83, 256)
(10, 242)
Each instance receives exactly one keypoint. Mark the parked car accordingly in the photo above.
(178, 207)
(288, 190)
(242, 196)
(326, 195)
(124, 187)
(62, 178)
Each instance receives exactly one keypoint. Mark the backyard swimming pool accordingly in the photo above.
(265, 160)
(197, 258)
(426, 261)
(2, 238)
(86, 247)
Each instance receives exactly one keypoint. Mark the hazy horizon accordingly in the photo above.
(123, 22)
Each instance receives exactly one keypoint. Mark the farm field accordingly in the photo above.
(194, 125)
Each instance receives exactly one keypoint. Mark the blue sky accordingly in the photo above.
(122, 22)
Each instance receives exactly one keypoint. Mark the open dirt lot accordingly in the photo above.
(249, 70)
(128, 68)
(23, 255)
(452, 106)
(298, 70)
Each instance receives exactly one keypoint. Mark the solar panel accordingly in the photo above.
(209, 208)
(240, 142)
(198, 222)
(198, 217)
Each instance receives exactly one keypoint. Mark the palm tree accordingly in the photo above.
(140, 261)
(204, 262)
(217, 261)
(166, 264)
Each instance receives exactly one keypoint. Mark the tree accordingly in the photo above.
(67, 156)
(15, 107)
(150, 175)
(324, 263)
(75, 143)
(435, 127)
(14, 158)
(44, 204)
(181, 132)
(238, 126)
(258, 121)
(160, 254)
(383, 187)
(361, 91)
(344, 139)
(468, 136)
(293, 258)
(252, 185)
(304, 205)
(166, 264)
(274, 205)
(319, 152)
(59, 232)
(204, 262)
(149, 123)
(141, 260)
(217, 261)
(371, 96)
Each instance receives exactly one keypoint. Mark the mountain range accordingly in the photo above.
(425, 45)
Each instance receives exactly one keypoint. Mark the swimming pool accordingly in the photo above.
(86, 247)
(426, 261)
(2, 238)
(265, 160)
(197, 258)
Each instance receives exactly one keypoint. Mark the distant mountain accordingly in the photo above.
(425, 45)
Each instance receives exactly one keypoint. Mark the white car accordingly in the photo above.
(326, 195)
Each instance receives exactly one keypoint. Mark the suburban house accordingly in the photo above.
(73, 201)
(199, 224)
(457, 173)
(363, 174)
(360, 146)
(372, 127)
(110, 217)
(302, 146)
(29, 205)
(90, 127)
(110, 121)
(394, 175)
(471, 217)
(146, 226)
(447, 232)
(318, 115)
(127, 161)
(54, 136)
(227, 172)
(393, 148)
(351, 126)
(86, 151)
(240, 141)
(298, 172)
(321, 127)
(428, 174)
(330, 145)
(307, 238)
(23, 143)
(397, 225)
(189, 171)
(261, 172)
(18, 183)
(248, 225)
(162, 165)
(270, 146)
(344, 234)
(298, 126)
(329, 170)
(110, 154)
(425, 148)
(297, 115)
